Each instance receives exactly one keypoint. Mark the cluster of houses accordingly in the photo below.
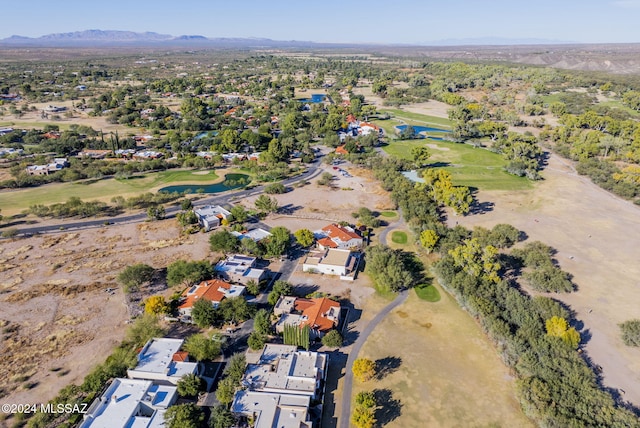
(277, 390)
(356, 128)
(58, 164)
(125, 153)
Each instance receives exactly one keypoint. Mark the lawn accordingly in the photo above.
(421, 119)
(15, 201)
(399, 237)
(440, 372)
(388, 214)
(427, 292)
(469, 166)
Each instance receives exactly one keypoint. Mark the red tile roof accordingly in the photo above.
(351, 118)
(316, 312)
(180, 356)
(327, 242)
(371, 125)
(335, 231)
(341, 150)
(209, 290)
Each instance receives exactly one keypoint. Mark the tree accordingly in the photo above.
(366, 399)
(278, 243)
(184, 416)
(325, 179)
(132, 277)
(187, 273)
(262, 322)
(155, 305)
(295, 335)
(239, 213)
(221, 417)
(332, 339)
(155, 212)
(420, 156)
(226, 391)
(266, 204)
(144, 328)
(304, 237)
(558, 327)
(202, 347)
(235, 367)
(476, 260)
(186, 204)
(363, 418)
(256, 340)
(364, 369)
(235, 309)
(280, 288)
(203, 313)
(630, 332)
(189, 385)
(253, 286)
(186, 218)
(223, 241)
(429, 239)
(275, 188)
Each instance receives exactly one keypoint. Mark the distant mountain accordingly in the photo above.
(112, 38)
(493, 41)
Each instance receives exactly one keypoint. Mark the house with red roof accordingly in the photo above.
(214, 290)
(367, 128)
(336, 236)
(320, 314)
(340, 150)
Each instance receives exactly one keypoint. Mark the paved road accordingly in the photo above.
(312, 171)
(345, 407)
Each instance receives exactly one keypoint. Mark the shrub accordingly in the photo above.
(333, 339)
(631, 332)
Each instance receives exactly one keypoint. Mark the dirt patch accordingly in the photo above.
(57, 320)
(596, 235)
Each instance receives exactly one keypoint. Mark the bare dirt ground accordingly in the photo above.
(596, 235)
(57, 320)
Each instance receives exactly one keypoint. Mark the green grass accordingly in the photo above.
(420, 118)
(388, 214)
(399, 237)
(427, 292)
(15, 201)
(469, 166)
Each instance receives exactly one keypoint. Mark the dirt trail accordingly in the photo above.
(596, 235)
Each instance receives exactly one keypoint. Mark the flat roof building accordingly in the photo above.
(270, 410)
(156, 362)
(130, 403)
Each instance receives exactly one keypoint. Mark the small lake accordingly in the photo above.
(315, 98)
(231, 181)
(413, 176)
(419, 129)
(206, 135)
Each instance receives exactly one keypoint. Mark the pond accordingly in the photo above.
(418, 130)
(315, 98)
(208, 134)
(231, 181)
(413, 176)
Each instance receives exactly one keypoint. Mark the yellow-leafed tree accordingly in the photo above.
(155, 305)
(364, 369)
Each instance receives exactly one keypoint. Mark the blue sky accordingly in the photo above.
(388, 21)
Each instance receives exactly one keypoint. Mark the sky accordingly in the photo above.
(336, 21)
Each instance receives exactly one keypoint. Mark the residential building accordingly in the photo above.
(255, 235)
(332, 261)
(5, 131)
(268, 410)
(239, 268)
(211, 216)
(130, 403)
(55, 166)
(321, 314)
(94, 154)
(161, 361)
(148, 154)
(213, 290)
(283, 369)
(336, 236)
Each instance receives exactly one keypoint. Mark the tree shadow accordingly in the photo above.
(481, 207)
(305, 289)
(389, 408)
(386, 366)
(439, 164)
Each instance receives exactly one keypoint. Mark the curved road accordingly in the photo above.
(345, 407)
(312, 171)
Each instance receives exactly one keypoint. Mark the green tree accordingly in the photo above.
(143, 329)
(226, 391)
(279, 242)
(155, 212)
(235, 309)
(239, 213)
(132, 277)
(186, 204)
(187, 273)
(364, 369)
(223, 241)
(429, 239)
(275, 188)
(253, 286)
(420, 156)
(630, 332)
(266, 204)
(201, 347)
(256, 341)
(186, 218)
(280, 288)
(366, 399)
(262, 322)
(476, 260)
(221, 417)
(235, 367)
(190, 385)
(304, 237)
(332, 339)
(184, 416)
(203, 313)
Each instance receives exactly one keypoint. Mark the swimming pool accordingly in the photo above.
(315, 98)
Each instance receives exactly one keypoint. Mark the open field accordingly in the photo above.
(57, 320)
(15, 201)
(419, 118)
(596, 235)
(440, 372)
(469, 166)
